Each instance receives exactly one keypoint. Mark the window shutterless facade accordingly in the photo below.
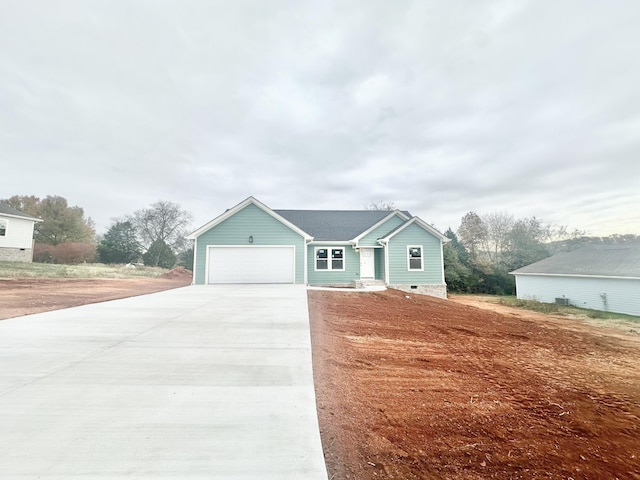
(330, 259)
(414, 258)
(3, 228)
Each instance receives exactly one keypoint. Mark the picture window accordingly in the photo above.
(330, 259)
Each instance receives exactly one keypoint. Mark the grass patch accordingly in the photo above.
(552, 308)
(533, 305)
(85, 270)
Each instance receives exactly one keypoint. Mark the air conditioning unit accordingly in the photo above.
(562, 301)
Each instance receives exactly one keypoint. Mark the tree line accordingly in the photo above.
(487, 247)
(154, 236)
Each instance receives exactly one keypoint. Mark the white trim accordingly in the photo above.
(245, 203)
(357, 239)
(6, 226)
(421, 223)
(442, 262)
(421, 269)
(306, 263)
(33, 219)
(329, 259)
(195, 258)
(332, 242)
(209, 247)
(613, 277)
(385, 245)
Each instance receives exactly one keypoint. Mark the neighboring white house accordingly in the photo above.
(603, 277)
(16, 235)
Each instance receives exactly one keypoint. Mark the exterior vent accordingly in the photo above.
(562, 301)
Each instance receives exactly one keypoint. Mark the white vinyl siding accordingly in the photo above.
(18, 233)
(249, 264)
(607, 294)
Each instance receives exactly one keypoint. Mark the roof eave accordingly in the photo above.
(232, 211)
(576, 275)
(422, 224)
(21, 217)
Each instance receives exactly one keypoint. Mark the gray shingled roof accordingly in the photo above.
(601, 260)
(7, 210)
(338, 225)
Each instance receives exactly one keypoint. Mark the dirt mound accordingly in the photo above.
(178, 272)
(413, 387)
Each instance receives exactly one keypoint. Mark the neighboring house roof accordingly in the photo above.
(14, 212)
(620, 261)
(335, 225)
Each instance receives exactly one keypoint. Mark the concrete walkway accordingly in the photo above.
(206, 382)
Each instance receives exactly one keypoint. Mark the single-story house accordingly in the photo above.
(16, 235)
(603, 277)
(251, 243)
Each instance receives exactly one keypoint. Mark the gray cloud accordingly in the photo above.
(440, 108)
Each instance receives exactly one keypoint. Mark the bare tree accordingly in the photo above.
(380, 205)
(473, 235)
(163, 223)
(496, 242)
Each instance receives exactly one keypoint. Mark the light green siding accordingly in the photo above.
(431, 257)
(235, 230)
(371, 238)
(328, 277)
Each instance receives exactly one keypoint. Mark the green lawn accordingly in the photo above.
(85, 270)
(552, 308)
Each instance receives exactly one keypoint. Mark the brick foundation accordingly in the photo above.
(439, 291)
(16, 255)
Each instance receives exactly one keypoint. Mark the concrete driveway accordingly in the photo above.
(210, 382)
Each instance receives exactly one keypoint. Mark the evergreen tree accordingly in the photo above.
(159, 255)
(120, 245)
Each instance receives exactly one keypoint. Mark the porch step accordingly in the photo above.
(368, 283)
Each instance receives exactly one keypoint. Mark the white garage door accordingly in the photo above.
(251, 264)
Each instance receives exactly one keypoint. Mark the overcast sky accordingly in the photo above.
(441, 107)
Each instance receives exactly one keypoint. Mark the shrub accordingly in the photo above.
(65, 253)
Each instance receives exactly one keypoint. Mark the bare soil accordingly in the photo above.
(414, 387)
(24, 296)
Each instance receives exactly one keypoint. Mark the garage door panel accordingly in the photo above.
(251, 264)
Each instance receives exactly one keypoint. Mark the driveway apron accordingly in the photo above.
(207, 382)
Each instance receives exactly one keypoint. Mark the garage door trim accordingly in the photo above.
(292, 249)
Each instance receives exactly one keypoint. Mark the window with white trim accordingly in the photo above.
(414, 257)
(331, 259)
(3, 227)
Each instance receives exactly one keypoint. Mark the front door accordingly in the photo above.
(367, 264)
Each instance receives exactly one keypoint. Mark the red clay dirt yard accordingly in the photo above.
(414, 387)
(24, 296)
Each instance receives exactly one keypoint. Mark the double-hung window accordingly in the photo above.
(3, 228)
(414, 257)
(330, 259)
